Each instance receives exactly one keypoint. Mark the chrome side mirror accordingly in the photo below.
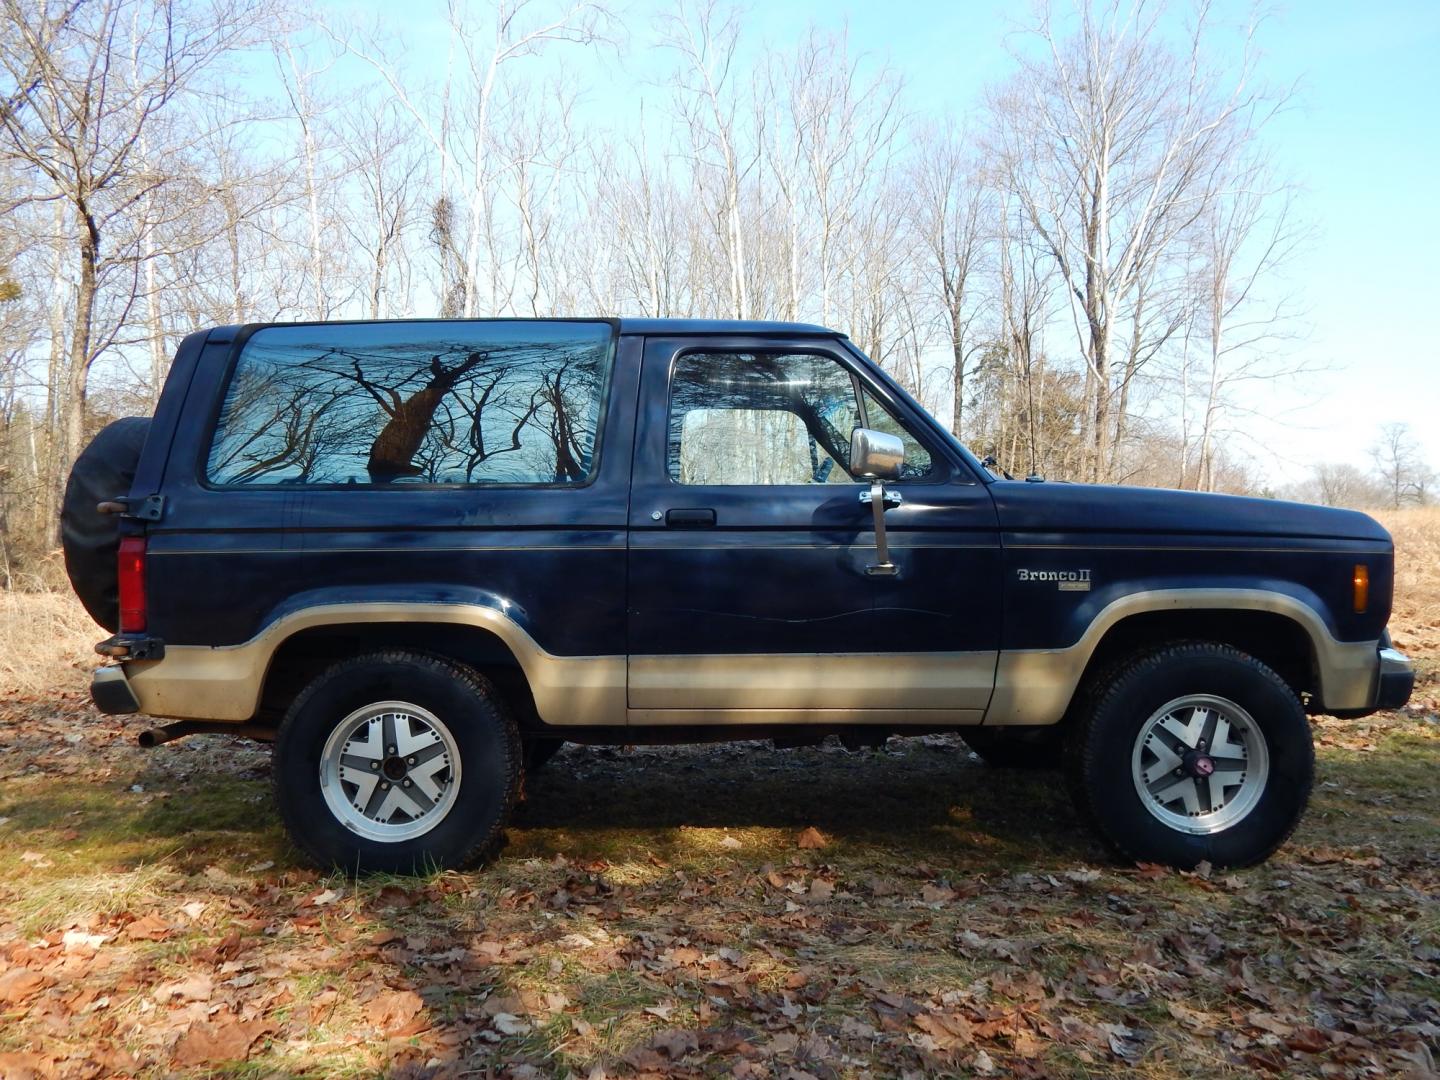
(877, 457)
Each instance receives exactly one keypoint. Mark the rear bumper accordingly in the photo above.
(1396, 681)
(111, 692)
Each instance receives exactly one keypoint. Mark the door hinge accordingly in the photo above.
(146, 508)
(892, 498)
(132, 647)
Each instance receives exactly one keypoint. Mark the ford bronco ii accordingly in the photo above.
(419, 555)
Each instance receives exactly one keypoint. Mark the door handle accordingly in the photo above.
(690, 518)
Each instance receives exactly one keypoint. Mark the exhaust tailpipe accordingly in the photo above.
(153, 737)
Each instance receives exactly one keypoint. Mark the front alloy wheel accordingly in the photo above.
(1193, 752)
(1200, 763)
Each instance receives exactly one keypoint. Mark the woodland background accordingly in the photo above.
(1082, 272)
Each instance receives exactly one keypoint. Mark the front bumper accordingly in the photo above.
(1396, 680)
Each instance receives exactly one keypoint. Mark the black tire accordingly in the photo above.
(1017, 748)
(538, 751)
(1102, 770)
(474, 717)
(104, 470)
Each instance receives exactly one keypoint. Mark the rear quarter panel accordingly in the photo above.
(225, 563)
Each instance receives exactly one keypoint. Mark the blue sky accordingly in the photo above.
(1361, 139)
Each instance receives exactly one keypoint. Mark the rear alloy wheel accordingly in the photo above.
(1193, 752)
(397, 762)
(390, 771)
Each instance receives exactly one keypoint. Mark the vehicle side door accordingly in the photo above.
(750, 593)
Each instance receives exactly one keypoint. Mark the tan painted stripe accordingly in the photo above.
(1169, 547)
(809, 681)
(799, 717)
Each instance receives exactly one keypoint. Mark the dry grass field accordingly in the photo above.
(725, 911)
(1415, 624)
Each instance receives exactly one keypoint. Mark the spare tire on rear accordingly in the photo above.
(104, 470)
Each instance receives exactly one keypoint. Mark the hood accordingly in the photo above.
(1055, 507)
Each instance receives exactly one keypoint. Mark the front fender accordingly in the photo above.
(1036, 686)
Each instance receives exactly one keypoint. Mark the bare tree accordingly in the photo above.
(462, 122)
(386, 172)
(1344, 484)
(847, 127)
(706, 38)
(951, 211)
(1024, 388)
(1246, 234)
(1403, 472)
(1110, 139)
(89, 79)
(1086, 289)
(299, 76)
(641, 232)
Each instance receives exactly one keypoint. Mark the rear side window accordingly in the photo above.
(414, 403)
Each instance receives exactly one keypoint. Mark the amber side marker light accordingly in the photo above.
(1362, 588)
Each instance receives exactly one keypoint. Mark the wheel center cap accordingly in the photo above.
(394, 768)
(1199, 765)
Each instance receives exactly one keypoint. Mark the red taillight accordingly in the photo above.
(132, 584)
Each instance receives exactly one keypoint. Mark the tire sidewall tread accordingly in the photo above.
(1102, 743)
(463, 699)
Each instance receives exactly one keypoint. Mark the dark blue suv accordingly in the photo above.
(420, 555)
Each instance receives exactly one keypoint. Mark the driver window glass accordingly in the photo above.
(751, 419)
(917, 459)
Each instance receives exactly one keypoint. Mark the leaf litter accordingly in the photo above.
(899, 912)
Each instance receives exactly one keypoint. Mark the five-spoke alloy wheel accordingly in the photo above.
(1200, 763)
(399, 762)
(1192, 752)
(390, 771)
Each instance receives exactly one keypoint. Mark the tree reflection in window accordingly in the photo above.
(748, 418)
(434, 403)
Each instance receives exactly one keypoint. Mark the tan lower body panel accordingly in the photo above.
(1029, 687)
(895, 683)
(733, 717)
(224, 683)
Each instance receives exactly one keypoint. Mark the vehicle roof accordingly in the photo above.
(221, 334)
(721, 326)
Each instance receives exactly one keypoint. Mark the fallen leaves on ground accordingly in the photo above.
(397, 1012)
(811, 839)
(688, 912)
(217, 1042)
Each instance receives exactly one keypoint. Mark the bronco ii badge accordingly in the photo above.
(1065, 580)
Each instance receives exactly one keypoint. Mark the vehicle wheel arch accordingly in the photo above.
(1280, 641)
(304, 654)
